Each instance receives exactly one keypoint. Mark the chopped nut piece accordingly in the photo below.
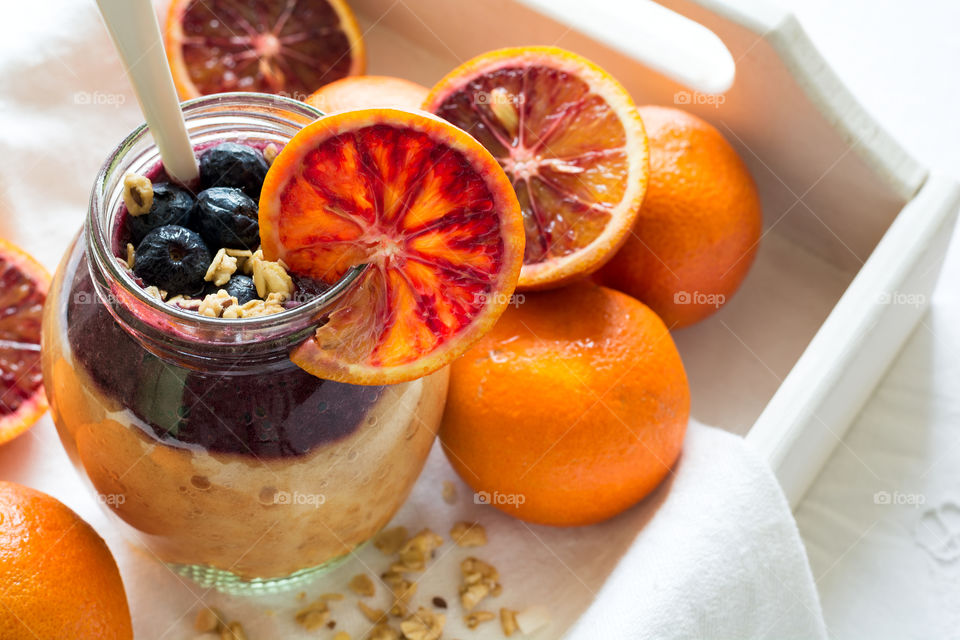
(156, 292)
(314, 615)
(208, 619)
(362, 585)
(479, 580)
(469, 534)
(383, 631)
(233, 631)
(270, 153)
(341, 635)
(449, 492)
(249, 262)
(471, 595)
(508, 621)
(371, 614)
(402, 590)
(390, 541)
(423, 625)
(532, 619)
(137, 194)
(220, 270)
(414, 553)
(242, 256)
(214, 304)
(473, 620)
(271, 277)
(131, 255)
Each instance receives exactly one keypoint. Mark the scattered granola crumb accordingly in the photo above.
(271, 277)
(383, 631)
(469, 534)
(402, 590)
(137, 194)
(532, 619)
(214, 304)
(220, 270)
(371, 614)
(331, 597)
(414, 553)
(390, 541)
(341, 635)
(233, 631)
(314, 615)
(423, 625)
(473, 620)
(270, 153)
(208, 619)
(301, 595)
(156, 292)
(480, 579)
(362, 585)
(439, 602)
(131, 255)
(449, 492)
(508, 621)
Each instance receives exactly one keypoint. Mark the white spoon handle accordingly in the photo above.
(136, 34)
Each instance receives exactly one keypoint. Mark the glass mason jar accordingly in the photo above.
(217, 453)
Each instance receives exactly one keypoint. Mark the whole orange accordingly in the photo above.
(57, 577)
(572, 409)
(363, 92)
(698, 228)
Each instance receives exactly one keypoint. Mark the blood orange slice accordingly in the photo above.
(23, 289)
(571, 141)
(363, 92)
(289, 47)
(426, 208)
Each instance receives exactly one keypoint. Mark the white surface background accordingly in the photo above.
(892, 571)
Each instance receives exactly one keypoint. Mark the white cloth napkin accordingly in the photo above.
(713, 553)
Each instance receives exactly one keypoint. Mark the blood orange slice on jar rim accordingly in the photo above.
(572, 143)
(23, 290)
(426, 208)
(287, 47)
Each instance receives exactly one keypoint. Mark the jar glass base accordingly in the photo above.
(232, 584)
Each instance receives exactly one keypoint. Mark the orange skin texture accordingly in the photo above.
(59, 578)
(362, 92)
(577, 401)
(32, 409)
(699, 225)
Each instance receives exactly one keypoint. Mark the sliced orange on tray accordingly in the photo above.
(23, 289)
(289, 47)
(426, 208)
(572, 142)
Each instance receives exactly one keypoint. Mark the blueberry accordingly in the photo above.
(233, 165)
(172, 258)
(240, 287)
(227, 217)
(171, 205)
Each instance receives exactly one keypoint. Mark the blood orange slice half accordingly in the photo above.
(426, 208)
(23, 289)
(289, 47)
(571, 140)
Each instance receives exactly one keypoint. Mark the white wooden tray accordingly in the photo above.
(855, 229)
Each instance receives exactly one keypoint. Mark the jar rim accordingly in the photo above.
(100, 239)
